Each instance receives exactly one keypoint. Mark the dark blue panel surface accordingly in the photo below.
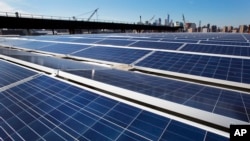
(119, 55)
(35, 45)
(43, 120)
(63, 48)
(226, 43)
(228, 50)
(193, 95)
(86, 40)
(231, 69)
(115, 42)
(157, 45)
(181, 41)
(10, 73)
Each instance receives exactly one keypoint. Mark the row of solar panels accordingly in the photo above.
(46, 108)
(219, 101)
(184, 61)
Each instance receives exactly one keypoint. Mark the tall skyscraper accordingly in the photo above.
(168, 20)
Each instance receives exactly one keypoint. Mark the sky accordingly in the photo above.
(214, 12)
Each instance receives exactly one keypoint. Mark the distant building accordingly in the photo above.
(178, 24)
(213, 28)
(168, 20)
(235, 30)
(191, 27)
(229, 28)
(159, 21)
(204, 29)
(171, 23)
(249, 29)
(243, 29)
(208, 27)
(167, 23)
(225, 29)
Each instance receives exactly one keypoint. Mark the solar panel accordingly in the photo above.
(228, 50)
(115, 42)
(145, 39)
(86, 40)
(34, 44)
(62, 48)
(157, 45)
(64, 39)
(226, 43)
(231, 69)
(48, 109)
(48, 61)
(118, 55)
(10, 73)
(181, 41)
(13, 42)
(197, 96)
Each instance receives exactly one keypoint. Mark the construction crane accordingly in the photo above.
(95, 11)
(149, 21)
(184, 23)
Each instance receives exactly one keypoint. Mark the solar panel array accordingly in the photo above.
(11, 73)
(223, 68)
(223, 102)
(59, 108)
(170, 90)
(227, 50)
(49, 109)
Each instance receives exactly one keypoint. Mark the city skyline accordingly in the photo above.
(214, 12)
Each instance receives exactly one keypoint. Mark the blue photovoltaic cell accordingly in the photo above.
(63, 48)
(228, 50)
(193, 95)
(181, 41)
(65, 39)
(231, 69)
(86, 40)
(157, 45)
(145, 39)
(119, 55)
(35, 44)
(115, 42)
(10, 73)
(226, 43)
(48, 109)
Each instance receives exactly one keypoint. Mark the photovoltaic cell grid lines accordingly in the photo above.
(63, 48)
(34, 44)
(226, 43)
(10, 73)
(157, 45)
(116, 42)
(215, 100)
(118, 55)
(48, 109)
(180, 41)
(231, 69)
(86, 40)
(227, 50)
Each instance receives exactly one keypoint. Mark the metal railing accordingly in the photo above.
(47, 17)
